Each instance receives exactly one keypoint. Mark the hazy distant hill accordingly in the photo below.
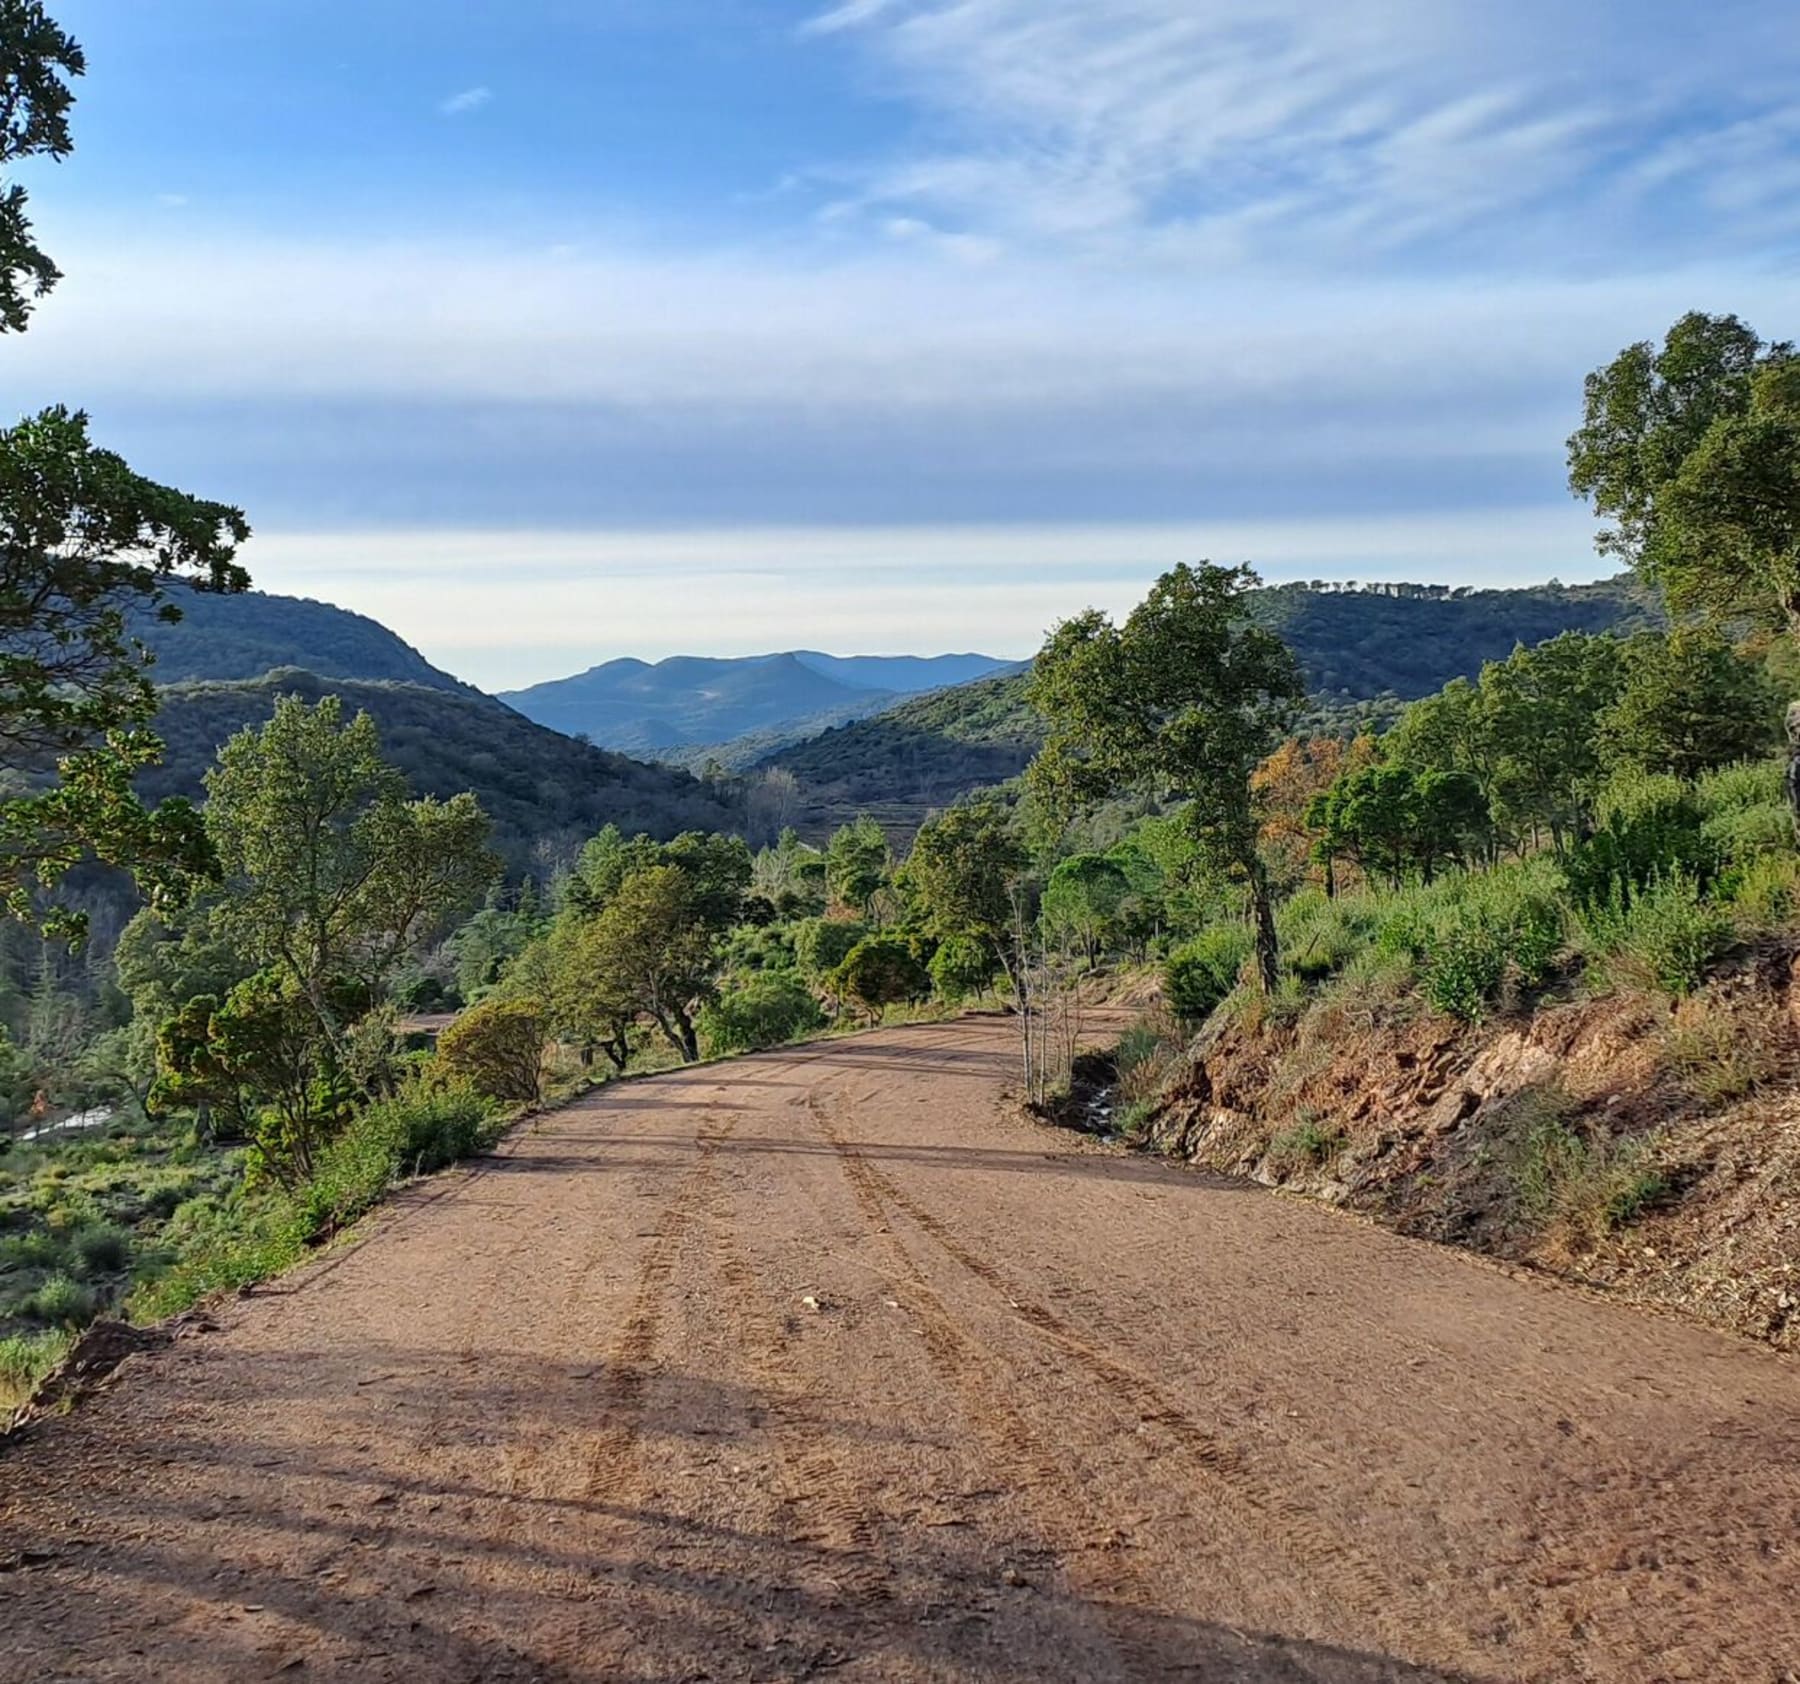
(690, 701)
(1362, 651)
(537, 786)
(248, 635)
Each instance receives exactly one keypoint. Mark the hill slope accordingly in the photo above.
(238, 637)
(688, 701)
(539, 787)
(1357, 649)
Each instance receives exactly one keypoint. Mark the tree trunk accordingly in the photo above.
(1793, 766)
(1262, 910)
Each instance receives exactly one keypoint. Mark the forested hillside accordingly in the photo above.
(247, 635)
(541, 789)
(1362, 652)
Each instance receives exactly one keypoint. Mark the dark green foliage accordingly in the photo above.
(1689, 702)
(1199, 974)
(1692, 450)
(881, 971)
(857, 863)
(1397, 823)
(102, 1249)
(822, 944)
(961, 967)
(764, 1010)
(37, 62)
(82, 538)
(1183, 702)
(1652, 826)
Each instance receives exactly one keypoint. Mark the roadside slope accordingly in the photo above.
(810, 1363)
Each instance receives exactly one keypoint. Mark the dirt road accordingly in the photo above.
(815, 1365)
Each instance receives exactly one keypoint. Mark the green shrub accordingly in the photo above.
(1651, 827)
(1201, 972)
(1764, 895)
(881, 971)
(102, 1249)
(497, 1047)
(423, 1128)
(25, 1358)
(63, 1301)
(1754, 783)
(1464, 965)
(763, 1011)
(1666, 934)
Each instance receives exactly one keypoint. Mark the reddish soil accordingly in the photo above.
(816, 1364)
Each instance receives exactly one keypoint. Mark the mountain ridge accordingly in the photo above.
(684, 703)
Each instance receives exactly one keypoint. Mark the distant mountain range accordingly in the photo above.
(672, 708)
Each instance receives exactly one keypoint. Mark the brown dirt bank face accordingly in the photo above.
(812, 1365)
(1628, 1142)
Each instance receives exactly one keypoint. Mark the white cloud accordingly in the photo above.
(1293, 127)
(460, 105)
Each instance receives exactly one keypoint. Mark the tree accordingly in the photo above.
(822, 944)
(331, 872)
(36, 58)
(653, 946)
(856, 863)
(1184, 700)
(1693, 452)
(1539, 715)
(586, 1003)
(1394, 822)
(1084, 899)
(962, 967)
(1689, 702)
(81, 539)
(881, 971)
(967, 871)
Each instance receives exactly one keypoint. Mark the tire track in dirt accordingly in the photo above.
(1123, 1592)
(1276, 1520)
(814, 1479)
(610, 1462)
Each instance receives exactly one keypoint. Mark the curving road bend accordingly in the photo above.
(817, 1365)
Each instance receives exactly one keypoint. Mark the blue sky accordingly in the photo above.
(554, 330)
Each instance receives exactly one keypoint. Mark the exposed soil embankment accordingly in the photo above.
(1630, 1142)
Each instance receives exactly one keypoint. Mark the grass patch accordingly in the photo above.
(1718, 1058)
(1309, 1144)
(1570, 1186)
(25, 1358)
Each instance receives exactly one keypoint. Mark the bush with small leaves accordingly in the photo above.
(1665, 935)
(498, 1048)
(1200, 973)
(61, 1301)
(764, 1010)
(102, 1249)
